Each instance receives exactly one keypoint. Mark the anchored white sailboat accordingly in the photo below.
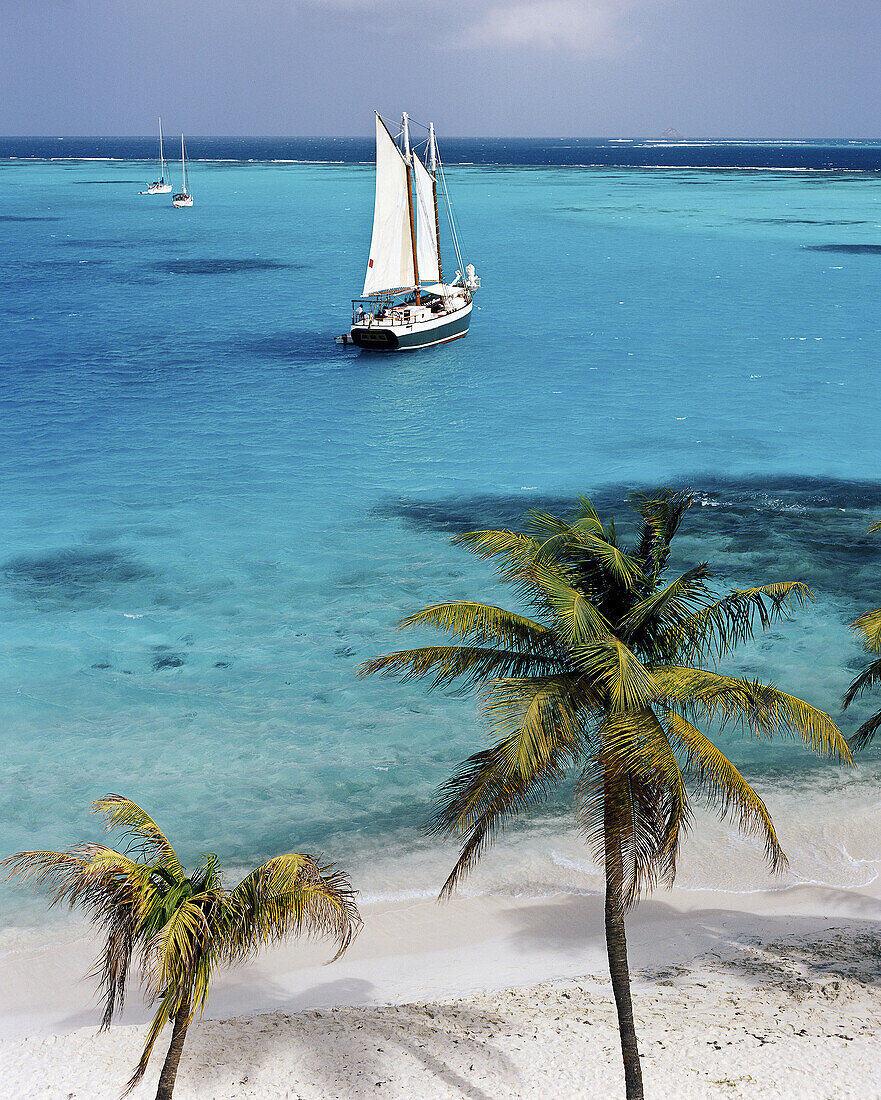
(182, 197)
(160, 187)
(405, 303)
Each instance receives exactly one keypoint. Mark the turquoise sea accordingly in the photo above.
(210, 514)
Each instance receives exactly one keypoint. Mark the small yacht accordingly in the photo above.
(159, 187)
(182, 197)
(406, 304)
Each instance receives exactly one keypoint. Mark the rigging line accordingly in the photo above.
(450, 218)
(392, 124)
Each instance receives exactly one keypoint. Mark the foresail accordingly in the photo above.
(426, 226)
(390, 266)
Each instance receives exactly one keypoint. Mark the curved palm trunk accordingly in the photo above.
(175, 1049)
(616, 946)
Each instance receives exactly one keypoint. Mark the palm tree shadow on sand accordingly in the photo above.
(449, 1042)
(667, 943)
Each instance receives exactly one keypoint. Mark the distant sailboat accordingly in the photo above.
(160, 187)
(405, 303)
(183, 197)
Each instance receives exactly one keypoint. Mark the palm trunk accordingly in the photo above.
(616, 946)
(175, 1049)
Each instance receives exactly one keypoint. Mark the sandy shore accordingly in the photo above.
(494, 997)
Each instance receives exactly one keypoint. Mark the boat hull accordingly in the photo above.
(182, 202)
(158, 189)
(439, 330)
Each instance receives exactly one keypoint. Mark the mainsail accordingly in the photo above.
(426, 226)
(390, 266)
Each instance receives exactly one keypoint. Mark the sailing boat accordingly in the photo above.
(159, 187)
(405, 303)
(182, 197)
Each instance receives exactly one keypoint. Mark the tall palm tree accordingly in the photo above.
(607, 683)
(182, 926)
(869, 626)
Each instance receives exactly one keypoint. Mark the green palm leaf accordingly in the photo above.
(578, 619)
(758, 707)
(675, 602)
(618, 673)
(662, 512)
(869, 625)
(724, 786)
(447, 664)
(727, 622)
(484, 625)
(866, 733)
(291, 894)
(869, 677)
(122, 813)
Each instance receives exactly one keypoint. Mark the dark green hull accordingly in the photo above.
(376, 338)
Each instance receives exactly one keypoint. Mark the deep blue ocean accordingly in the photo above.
(210, 514)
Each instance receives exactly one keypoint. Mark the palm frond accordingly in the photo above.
(579, 620)
(542, 525)
(541, 728)
(865, 735)
(675, 601)
(291, 894)
(585, 521)
(759, 707)
(90, 875)
(169, 957)
(724, 786)
(515, 550)
(636, 746)
(725, 623)
(167, 1010)
(869, 677)
(662, 513)
(869, 625)
(121, 813)
(488, 790)
(109, 887)
(446, 664)
(484, 624)
(585, 514)
(615, 670)
(602, 552)
(539, 713)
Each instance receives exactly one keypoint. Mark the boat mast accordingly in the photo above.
(161, 154)
(408, 161)
(183, 162)
(432, 167)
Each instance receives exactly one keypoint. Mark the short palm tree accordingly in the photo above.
(182, 927)
(607, 684)
(869, 626)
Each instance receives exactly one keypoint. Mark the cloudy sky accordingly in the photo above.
(592, 68)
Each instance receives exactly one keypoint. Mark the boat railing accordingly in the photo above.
(368, 310)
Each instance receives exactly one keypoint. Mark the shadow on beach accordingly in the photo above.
(665, 942)
(435, 1038)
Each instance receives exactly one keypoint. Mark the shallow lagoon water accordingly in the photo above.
(211, 514)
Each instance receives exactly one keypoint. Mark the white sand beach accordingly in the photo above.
(497, 997)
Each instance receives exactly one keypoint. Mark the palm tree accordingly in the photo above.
(183, 927)
(869, 626)
(607, 683)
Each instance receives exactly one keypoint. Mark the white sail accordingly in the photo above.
(390, 266)
(426, 226)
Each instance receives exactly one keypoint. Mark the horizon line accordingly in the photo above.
(448, 137)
